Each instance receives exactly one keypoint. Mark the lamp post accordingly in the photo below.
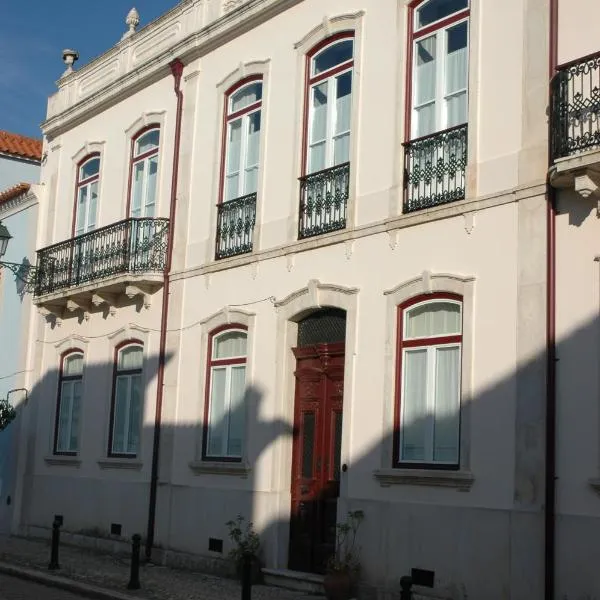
(22, 271)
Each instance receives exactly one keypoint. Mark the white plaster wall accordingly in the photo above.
(576, 29)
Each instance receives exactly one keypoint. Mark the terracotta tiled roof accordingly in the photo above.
(13, 192)
(19, 145)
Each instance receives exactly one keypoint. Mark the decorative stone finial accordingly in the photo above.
(69, 57)
(132, 21)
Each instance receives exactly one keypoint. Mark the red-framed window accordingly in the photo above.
(438, 73)
(428, 382)
(143, 171)
(86, 194)
(328, 103)
(68, 403)
(127, 400)
(224, 413)
(241, 139)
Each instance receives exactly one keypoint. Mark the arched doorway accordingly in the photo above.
(318, 405)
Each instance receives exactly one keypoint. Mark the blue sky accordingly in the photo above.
(32, 38)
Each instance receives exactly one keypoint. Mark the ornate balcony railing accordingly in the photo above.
(434, 169)
(575, 107)
(235, 226)
(324, 201)
(136, 245)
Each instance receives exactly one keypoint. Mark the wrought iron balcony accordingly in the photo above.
(136, 245)
(575, 107)
(235, 226)
(324, 201)
(434, 169)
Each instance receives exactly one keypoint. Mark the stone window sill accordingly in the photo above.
(62, 460)
(120, 463)
(460, 480)
(236, 469)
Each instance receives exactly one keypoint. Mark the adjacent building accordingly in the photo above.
(297, 258)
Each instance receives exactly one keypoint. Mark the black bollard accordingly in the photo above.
(134, 577)
(53, 565)
(247, 577)
(406, 587)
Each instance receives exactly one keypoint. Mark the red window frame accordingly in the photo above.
(227, 117)
(210, 363)
(401, 344)
(412, 37)
(116, 373)
(133, 158)
(81, 182)
(309, 81)
(61, 379)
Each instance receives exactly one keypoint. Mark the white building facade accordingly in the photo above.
(296, 258)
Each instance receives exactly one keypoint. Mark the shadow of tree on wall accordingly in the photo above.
(410, 524)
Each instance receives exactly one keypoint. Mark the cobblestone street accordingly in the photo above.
(13, 588)
(112, 572)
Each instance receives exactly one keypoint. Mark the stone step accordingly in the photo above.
(294, 580)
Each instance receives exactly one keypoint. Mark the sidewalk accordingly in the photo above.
(84, 571)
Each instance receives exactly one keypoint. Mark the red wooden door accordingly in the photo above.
(316, 455)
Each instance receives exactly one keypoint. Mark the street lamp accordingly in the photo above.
(23, 271)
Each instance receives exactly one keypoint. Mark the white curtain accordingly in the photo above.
(130, 358)
(147, 141)
(343, 108)
(217, 430)
(234, 150)
(75, 414)
(82, 205)
(318, 128)
(456, 75)
(63, 438)
(414, 405)
(447, 405)
(73, 365)
(91, 217)
(439, 318)
(137, 189)
(135, 403)
(252, 153)
(230, 344)
(151, 186)
(236, 415)
(425, 90)
(245, 97)
(120, 415)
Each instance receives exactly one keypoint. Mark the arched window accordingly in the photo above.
(329, 103)
(428, 381)
(127, 401)
(439, 47)
(242, 139)
(88, 179)
(144, 173)
(225, 386)
(68, 405)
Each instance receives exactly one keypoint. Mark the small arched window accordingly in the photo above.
(440, 73)
(144, 173)
(429, 381)
(226, 383)
(68, 405)
(329, 103)
(88, 180)
(127, 403)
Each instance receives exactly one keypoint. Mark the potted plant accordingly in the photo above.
(343, 567)
(247, 545)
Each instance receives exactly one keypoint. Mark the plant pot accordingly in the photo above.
(338, 585)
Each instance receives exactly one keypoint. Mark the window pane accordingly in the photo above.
(426, 70)
(137, 189)
(90, 168)
(64, 416)
(147, 141)
(217, 421)
(120, 418)
(252, 154)
(414, 402)
(439, 318)
(82, 201)
(234, 149)
(151, 186)
(447, 405)
(456, 75)
(434, 10)
(318, 128)
(75, 412)
(236, 415)
(245, 97)
(135, 404)
(343, 102)
(332, 56)
(91, 217)
(230, 344)
(73, 365)
(130, 358)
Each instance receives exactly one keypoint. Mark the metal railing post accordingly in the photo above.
(247, 577)
(53, 565)
(134, 575)
(406, 587)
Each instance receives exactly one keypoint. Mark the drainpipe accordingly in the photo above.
(550, 474)
(176, 70)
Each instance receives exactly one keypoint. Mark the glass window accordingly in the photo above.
(434, 10)
(332, 56)
(224, 431)
(144, 175)
(69, 404)
(147, 141)
(87, 195)
(128, 396)
(429, 356)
